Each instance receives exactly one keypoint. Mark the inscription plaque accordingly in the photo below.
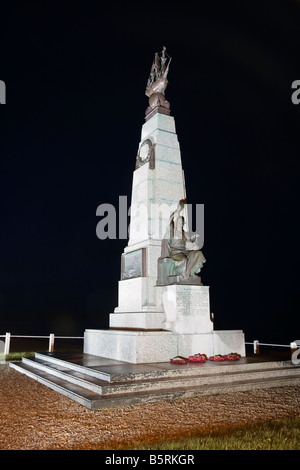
(133, 264)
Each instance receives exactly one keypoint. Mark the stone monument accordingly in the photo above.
(163, 308)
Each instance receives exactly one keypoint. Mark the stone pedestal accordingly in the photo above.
(187, 309)
(184, 328)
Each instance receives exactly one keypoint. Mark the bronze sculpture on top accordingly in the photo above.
(157, 84)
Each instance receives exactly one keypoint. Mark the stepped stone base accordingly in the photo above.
(97, 382)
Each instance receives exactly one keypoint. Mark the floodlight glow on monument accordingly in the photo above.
(163, 307)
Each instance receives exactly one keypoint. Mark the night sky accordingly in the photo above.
(75, 78)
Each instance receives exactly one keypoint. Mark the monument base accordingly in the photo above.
(133, 346)
(140, 347)
(184, 327)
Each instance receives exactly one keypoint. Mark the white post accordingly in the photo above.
(294, 347)
(7, 344)
(256, 346)
(51, 342)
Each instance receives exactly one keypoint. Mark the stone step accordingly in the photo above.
(116, 371)
(93, 400)
(79, 394)
(71, 375)
(90, 366)
(134, 384)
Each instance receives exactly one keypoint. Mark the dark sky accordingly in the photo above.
(75, 77)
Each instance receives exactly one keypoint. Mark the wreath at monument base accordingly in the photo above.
(200, 357)
(179, 360)
(217, 358)
(232, 357)
(227, 357)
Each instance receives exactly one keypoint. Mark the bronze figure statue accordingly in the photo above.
(181, 259)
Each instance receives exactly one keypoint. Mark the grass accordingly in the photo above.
(272, 435)
(16, 356)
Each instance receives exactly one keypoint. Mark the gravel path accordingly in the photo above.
(34, 417)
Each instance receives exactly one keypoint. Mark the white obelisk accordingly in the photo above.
(153, 323)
